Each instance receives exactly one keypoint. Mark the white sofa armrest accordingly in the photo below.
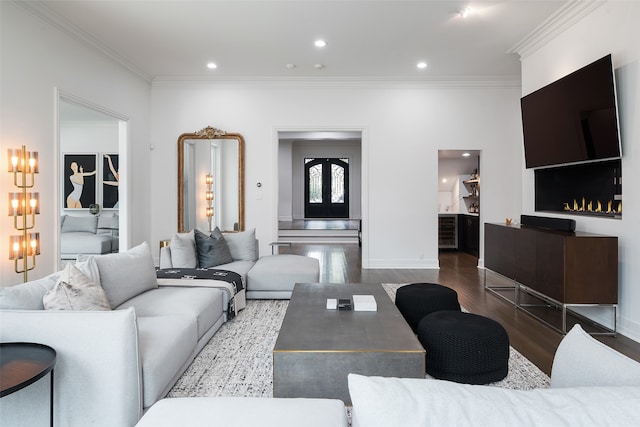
(97, 376)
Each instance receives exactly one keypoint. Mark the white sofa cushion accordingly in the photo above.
(27, 296)
(166, 344)
(242, 245)
(75, 291)
(183, 250)
(127, 274)
(204, 304)
(72, 223)
(581, 360)
(379, 401)
(245, 412)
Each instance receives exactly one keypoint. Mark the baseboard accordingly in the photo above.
(402, 264)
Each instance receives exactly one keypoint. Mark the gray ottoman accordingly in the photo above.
(273, 276)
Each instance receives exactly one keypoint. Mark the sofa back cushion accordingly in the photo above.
(583, 361)
(127, 274)
(80, 223)
(183, 250)
(242, 245)
(379, 402)
(27, 296)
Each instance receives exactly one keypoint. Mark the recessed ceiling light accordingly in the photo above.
(290, 66)
(444, 179)
(320, 43)
(212, 65)
(465, 154)
(318, 66)
(465, 12)
(421, 65)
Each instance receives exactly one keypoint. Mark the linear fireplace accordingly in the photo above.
(593, 189)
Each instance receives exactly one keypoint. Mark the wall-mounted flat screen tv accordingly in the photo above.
(573, 119)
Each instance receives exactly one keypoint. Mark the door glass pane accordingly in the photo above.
(337, 184)
(315, 184)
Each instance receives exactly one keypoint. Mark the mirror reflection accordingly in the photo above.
(210, 181)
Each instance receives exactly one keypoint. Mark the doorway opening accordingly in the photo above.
(320, 186)
(92, 183)
(459, 201)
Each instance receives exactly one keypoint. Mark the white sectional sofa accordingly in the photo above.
(592, 385)
(110, 364)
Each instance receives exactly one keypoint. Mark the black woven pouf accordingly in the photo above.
(464, 347)
(417, 300)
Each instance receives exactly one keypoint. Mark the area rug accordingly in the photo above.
(237, 361)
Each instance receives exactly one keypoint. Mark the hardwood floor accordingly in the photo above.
(535, 340)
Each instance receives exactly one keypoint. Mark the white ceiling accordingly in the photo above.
(166, 39)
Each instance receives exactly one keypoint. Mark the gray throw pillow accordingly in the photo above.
(183, 250)
(212, 250)
(80, 223)
(75, 291)
(127, 274)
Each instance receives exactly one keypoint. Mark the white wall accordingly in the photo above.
(610, 29)
(35, 59)
(403, 127)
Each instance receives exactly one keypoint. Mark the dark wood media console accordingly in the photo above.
(564, 268)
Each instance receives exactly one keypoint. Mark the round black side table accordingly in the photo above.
(22, 364)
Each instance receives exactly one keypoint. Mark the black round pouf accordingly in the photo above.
(464, 347)
(417, 300)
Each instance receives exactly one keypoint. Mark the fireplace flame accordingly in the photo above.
(589, 207)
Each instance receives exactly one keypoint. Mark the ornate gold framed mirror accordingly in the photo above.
(210, 180)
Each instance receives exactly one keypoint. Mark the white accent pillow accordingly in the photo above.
(581, 360)
(242, 245)
(379, 402)
(127, 274)
(75, 291)
(183, 250)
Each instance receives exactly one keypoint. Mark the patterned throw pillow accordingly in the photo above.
(75, 291)
(212, 250)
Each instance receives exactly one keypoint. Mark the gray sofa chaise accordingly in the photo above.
(110, 364)
(266, 277)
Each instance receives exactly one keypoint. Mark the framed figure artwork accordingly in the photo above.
(110, 181)
(80, 183)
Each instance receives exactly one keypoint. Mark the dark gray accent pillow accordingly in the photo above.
(212, 250)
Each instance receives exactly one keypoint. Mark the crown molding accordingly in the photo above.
(43, 12)
(339, 82)
(556, 24)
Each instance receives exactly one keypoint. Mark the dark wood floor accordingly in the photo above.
(532, 338)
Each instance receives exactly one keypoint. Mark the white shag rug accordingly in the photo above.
(237, 361)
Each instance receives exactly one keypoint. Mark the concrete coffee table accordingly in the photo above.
(317, 348)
